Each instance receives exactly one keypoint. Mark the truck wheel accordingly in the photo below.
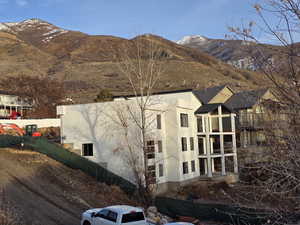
(86, 223)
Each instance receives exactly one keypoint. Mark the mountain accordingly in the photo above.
(33, 29)
(233, 52)
(86, 63)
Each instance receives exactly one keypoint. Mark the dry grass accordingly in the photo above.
(49, 193)
(89, 61)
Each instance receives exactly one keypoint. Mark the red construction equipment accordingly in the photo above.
(11, 128)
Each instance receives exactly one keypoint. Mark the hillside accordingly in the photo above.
(87, 63)
(234, 52)
(17, 57)
(35, 189)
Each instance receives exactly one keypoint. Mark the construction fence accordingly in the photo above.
(69, 159)
(229, 214)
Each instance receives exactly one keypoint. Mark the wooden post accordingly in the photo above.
(208, 145)
(236, 169)
(221, 140)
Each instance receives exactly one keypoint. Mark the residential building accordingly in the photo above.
(13, 105)
(191, 135)
(251, 116)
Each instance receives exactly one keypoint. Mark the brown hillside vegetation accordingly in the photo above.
(87, 63)
(45, 192)
(17, 57)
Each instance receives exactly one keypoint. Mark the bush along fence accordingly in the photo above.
(69, 159)
(217, 212)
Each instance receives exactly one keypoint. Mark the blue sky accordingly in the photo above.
(171, 19)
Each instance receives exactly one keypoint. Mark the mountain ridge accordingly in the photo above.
(86, 63)
(234, 52)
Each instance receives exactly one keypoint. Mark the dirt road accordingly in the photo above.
(45, 192)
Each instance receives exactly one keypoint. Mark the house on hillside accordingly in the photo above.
(251, 116)
(191, 135)
(12, 106)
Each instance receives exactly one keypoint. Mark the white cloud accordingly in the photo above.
(22, 3)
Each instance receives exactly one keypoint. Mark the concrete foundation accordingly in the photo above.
(173, 186)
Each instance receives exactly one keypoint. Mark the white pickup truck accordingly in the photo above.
(114, 215)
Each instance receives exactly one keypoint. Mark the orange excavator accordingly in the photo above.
(14, 129)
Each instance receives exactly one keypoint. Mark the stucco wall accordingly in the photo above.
(95, 123)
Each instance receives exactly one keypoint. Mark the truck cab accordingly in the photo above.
(114, 215)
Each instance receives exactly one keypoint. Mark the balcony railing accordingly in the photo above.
(258, 120)
(254, 120)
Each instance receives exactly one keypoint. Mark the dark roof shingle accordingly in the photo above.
(245, 99)
(208, 94)
(210, 107)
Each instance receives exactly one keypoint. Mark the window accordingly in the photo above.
(151, 172)
(103, 213)
(215, 124)
(158, 121)
(201, 146)
(226, 122)
(184, 121)
(161, 170)
(150, 146)
(192, 143)
(159, 146)
(193, 166)
(199, 124)
(150, 149)
(185, 167)
(151, 168)
(150, 155)
(183, 144)
(112, 216)
(87, 149)
(133, 217)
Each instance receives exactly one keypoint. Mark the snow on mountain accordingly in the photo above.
(48, 30)
(192, 39)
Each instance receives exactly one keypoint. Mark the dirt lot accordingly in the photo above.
(42, 191)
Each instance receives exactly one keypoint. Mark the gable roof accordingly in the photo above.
(210, 107)
(208, 94)
(245, 99)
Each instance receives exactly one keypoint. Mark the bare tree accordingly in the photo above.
(275, 183)
(141, 62)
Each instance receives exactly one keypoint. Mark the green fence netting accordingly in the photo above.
(212, 212)
(69, 159)
(7, 141)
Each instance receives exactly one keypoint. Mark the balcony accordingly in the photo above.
(258, 120)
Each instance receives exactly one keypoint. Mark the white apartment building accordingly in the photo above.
(191, 135)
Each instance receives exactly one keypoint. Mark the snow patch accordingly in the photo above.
(4, 26)
(33, 21)
(51, 31)
(52, 34)
(191, 39)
